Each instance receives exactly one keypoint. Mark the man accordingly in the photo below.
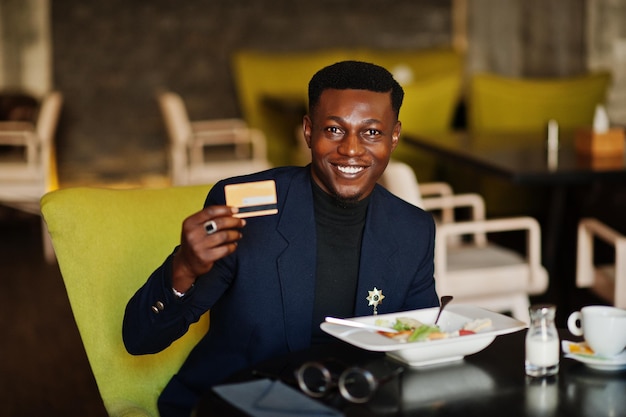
(269, 281)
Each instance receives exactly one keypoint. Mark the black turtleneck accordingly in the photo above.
(339, 228)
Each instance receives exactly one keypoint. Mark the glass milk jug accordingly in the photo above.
(542, 342)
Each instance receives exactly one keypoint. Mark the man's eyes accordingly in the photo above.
(367, 133)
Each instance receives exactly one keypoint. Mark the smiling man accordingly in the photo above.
(351, 134)
(269, 281)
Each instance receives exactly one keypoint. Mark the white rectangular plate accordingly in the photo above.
(454, 317)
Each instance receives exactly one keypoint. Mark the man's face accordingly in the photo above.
(351, 134)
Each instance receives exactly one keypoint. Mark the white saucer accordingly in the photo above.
(615, 363)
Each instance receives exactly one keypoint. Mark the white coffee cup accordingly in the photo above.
(603, 327)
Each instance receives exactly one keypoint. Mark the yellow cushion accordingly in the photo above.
(427, 110)
(107, 243)
(497, 103)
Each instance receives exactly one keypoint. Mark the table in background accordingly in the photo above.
(489, 383)
(523, 159)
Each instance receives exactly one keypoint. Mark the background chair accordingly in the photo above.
(203, 152)
(608, 280)
(29, 170)
(107, 243)
(272, 86)
(469, 266)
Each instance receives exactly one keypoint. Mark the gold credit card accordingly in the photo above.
(252, 198)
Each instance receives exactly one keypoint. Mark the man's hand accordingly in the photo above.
(207, 236)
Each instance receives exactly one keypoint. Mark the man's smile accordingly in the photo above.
(350, 169)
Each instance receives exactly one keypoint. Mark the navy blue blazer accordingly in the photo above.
(261, 297)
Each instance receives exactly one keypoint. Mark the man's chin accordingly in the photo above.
(347, 200)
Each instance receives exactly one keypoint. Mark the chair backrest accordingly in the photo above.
(400, 180)
(48, 116)
(47, 121)
(497, 103)
(178, 129)
(176, 118)
(107, 243)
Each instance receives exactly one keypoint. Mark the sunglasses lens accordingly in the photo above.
(314, 379)
(357, 385)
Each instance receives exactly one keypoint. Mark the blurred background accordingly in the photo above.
(110, 59)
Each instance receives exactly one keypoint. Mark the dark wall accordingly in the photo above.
(110, 57)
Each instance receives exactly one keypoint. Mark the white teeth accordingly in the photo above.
(349, 169)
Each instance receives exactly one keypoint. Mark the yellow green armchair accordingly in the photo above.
(503, 104)
(107, 243)
(498, 104)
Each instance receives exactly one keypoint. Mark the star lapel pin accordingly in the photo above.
(375, 297)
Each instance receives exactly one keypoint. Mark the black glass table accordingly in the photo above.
(489, 383)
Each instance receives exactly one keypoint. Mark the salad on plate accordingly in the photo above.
(409, 329)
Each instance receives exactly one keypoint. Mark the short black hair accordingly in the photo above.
(355, 75)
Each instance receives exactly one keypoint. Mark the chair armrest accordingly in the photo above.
(439, 189)
(248, 142)
(452, 201)
(533, 240)
(473, 201)
(17, 133)
(21, 134)
(435, 189)
(15, 126)
(588, 229)
(218, 124)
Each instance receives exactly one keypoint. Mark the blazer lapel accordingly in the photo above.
(378, 267)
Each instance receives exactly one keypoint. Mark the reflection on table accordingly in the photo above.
(489, 383)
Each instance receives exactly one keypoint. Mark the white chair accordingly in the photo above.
(608, 281)
(203, 152)
(467, 265)
(26, 176)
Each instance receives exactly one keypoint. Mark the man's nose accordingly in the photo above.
(350, 145)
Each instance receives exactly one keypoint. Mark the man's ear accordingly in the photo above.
(395, 135)
(306, 129)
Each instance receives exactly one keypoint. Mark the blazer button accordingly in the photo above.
(160, 305)
(155, 309)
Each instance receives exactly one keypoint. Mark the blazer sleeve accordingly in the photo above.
(154, 317)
